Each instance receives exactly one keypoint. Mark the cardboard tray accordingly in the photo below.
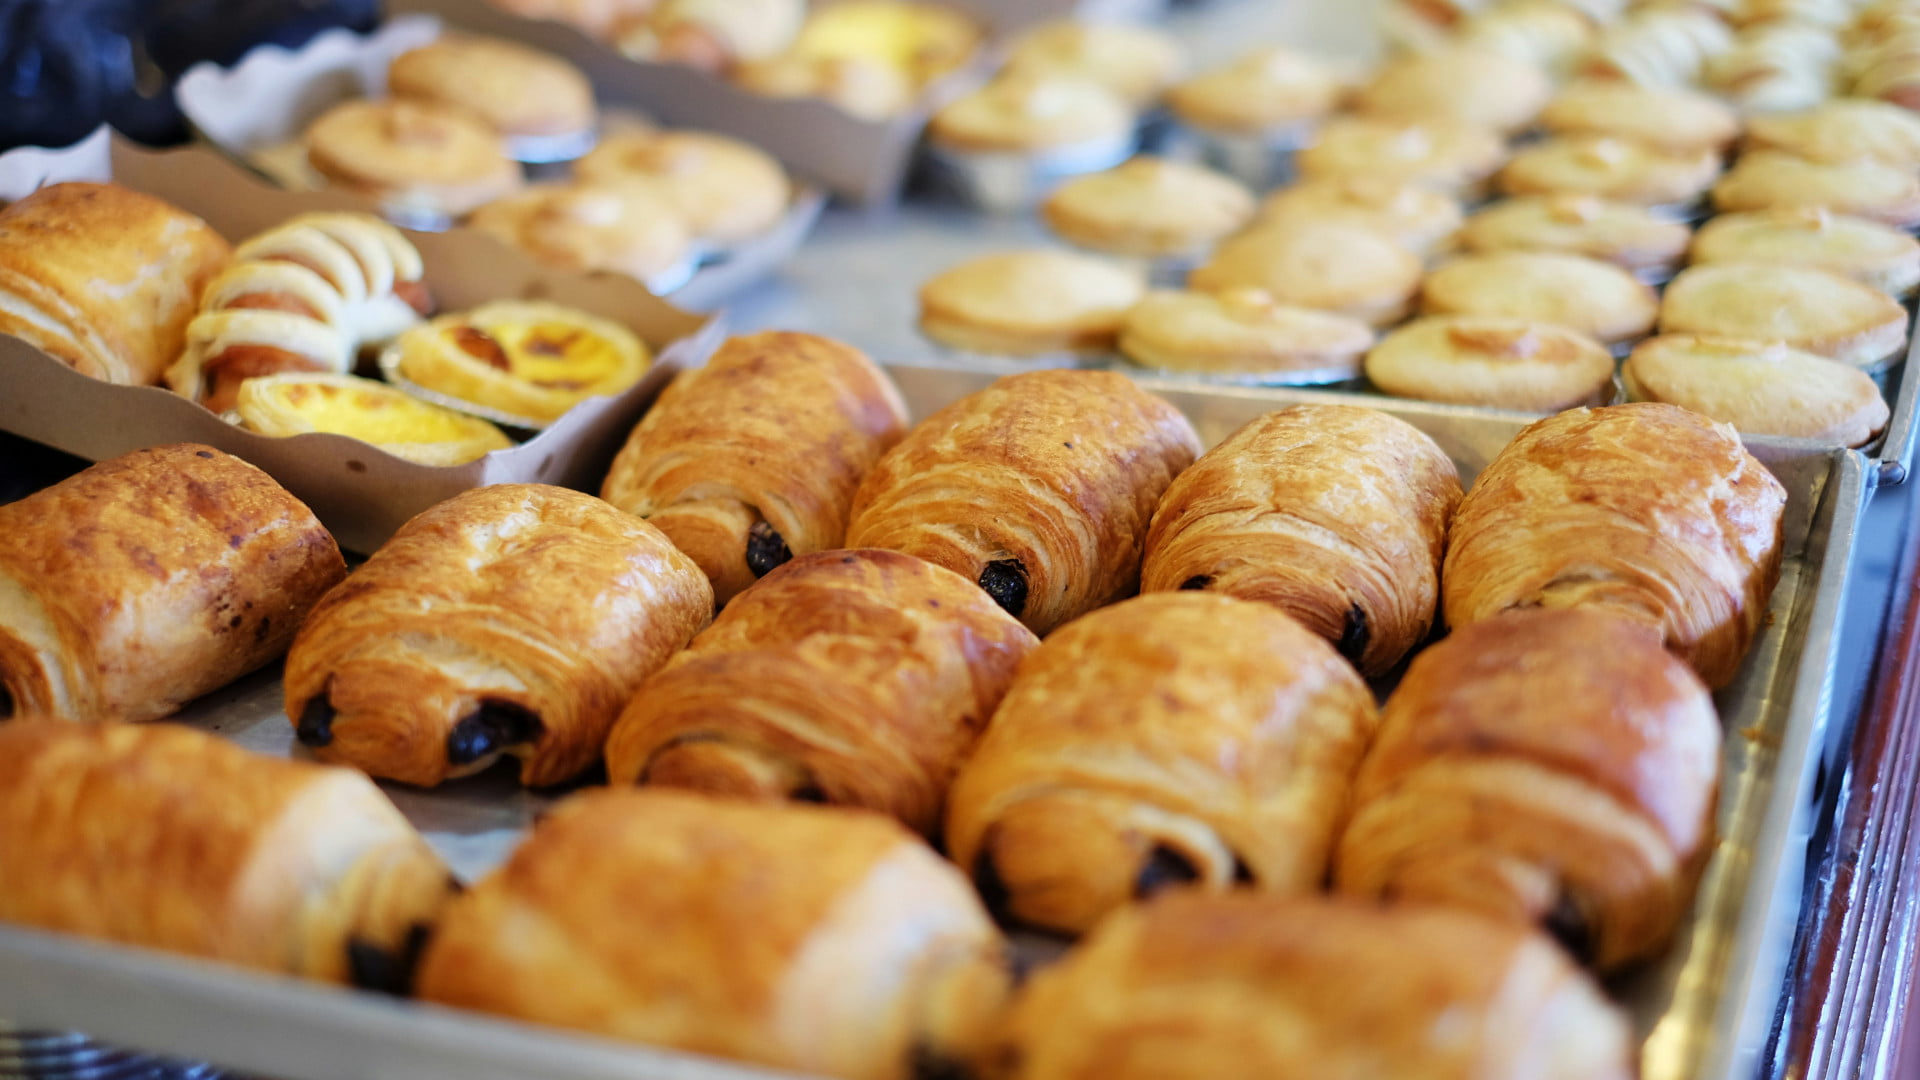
(1703, 1012)
(361, 493)
(257, 110)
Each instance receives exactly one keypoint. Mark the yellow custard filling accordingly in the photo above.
(557, 356)
(299, 403)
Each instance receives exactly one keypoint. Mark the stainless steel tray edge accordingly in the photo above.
(1895, 457)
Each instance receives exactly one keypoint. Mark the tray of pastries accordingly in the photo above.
(906, 722)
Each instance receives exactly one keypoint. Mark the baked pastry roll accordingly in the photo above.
(1194, 987)
(1812, 310)
(1492, 361)
(860, 678)
(821, 940)
(104, 279)
(373, 412)
(1166, 740)
(1870, 253)
(1760, 387)
(1631, 237)
(1149, 207)
(170, 838)
(1023, 303)
(1552, 767)
(632, 228)
(1268, 92)
(1039, 487)
(457, 643)
(1647, 511)
(1672, 119)
(1769, 179)
(754, 458)
(1592, 297)
(518, 91)
(414, 157)
(1371, 279)
(1457, 85)
(521, 358)
(141, 583)
(306, 295)
(1334, 514)
(1242, 332)
(1611, 168)
(1444, 156)
(727, 191)
(1135, 62)
(1420, 219)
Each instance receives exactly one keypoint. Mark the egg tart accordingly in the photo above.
(526, 361)
(300, 402)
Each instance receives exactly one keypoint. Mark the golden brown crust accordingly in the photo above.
(150, 579)
(1647, 511)
(859, 678)
(1171, 738)
(1242, 331)
(728, 191)
(1031, 302)
(104, 278)
(1196, 987)
(758, 453)
(1595, 298)
(1672, 119)
(173, 839)
(1044, 483)
(1770, 179)
(1149, 207)
(1334, 514)
(1028, 113)
(1810, 309)
(822, 940)
(1335, 266)
(1492, 361)
(1466, 86)
(1760, 387)
(1610, 168)
(1626, 235)
(626, 227)
(1445, 156)
(1264, 91)
(420, 155)
(509, 620)
(517, 90)
(1543, 766)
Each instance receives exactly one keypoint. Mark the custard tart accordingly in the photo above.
(299, 402)
(523, 362)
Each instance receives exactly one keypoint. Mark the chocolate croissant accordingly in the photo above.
(304, 296)
(1645, 510)
(1337, 515)
(754, 458)
(131, 588)
(1173, 738)
(826, 941)
(508, 620)
(1197, 987)
(173, 839)
(1039, 487)
(1556, 767)
(104, 278)
(860, 678)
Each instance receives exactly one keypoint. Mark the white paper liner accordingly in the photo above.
(26, 169)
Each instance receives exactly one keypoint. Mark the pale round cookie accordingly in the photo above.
(1261, 92)
(1421, 219)
(1677, 121)
(1149, 207)
(1596, 298)
(628, 228)
(413, 154)
(1241, 332)
(516, 90)
(1545, 33)
(726, 190)
(1444, 156)
(1610, 168)
(1491, 361)
(1866, 251)
(1027, 114)
(1842, 130)
(1631, 237)
(1136, 62)
(1347, 269)
(1457, 85)
(1769, 179)
(1024, 303)
(1760, 387)
(1812, 310)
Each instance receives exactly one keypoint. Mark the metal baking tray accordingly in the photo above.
(1704, 1012)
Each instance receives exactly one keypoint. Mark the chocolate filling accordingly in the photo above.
(1570, 926)
(993, 889)
(1196, 582)
(1242, 874)
(1354, 636)
(7, 705)
(929, 1063)
(1164, 867)
(315, 728)
(766, 549)
(388, 971)
(492, 727)
(810, 793)
(1006, 581)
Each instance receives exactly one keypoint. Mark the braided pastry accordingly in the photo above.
(304, 296)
